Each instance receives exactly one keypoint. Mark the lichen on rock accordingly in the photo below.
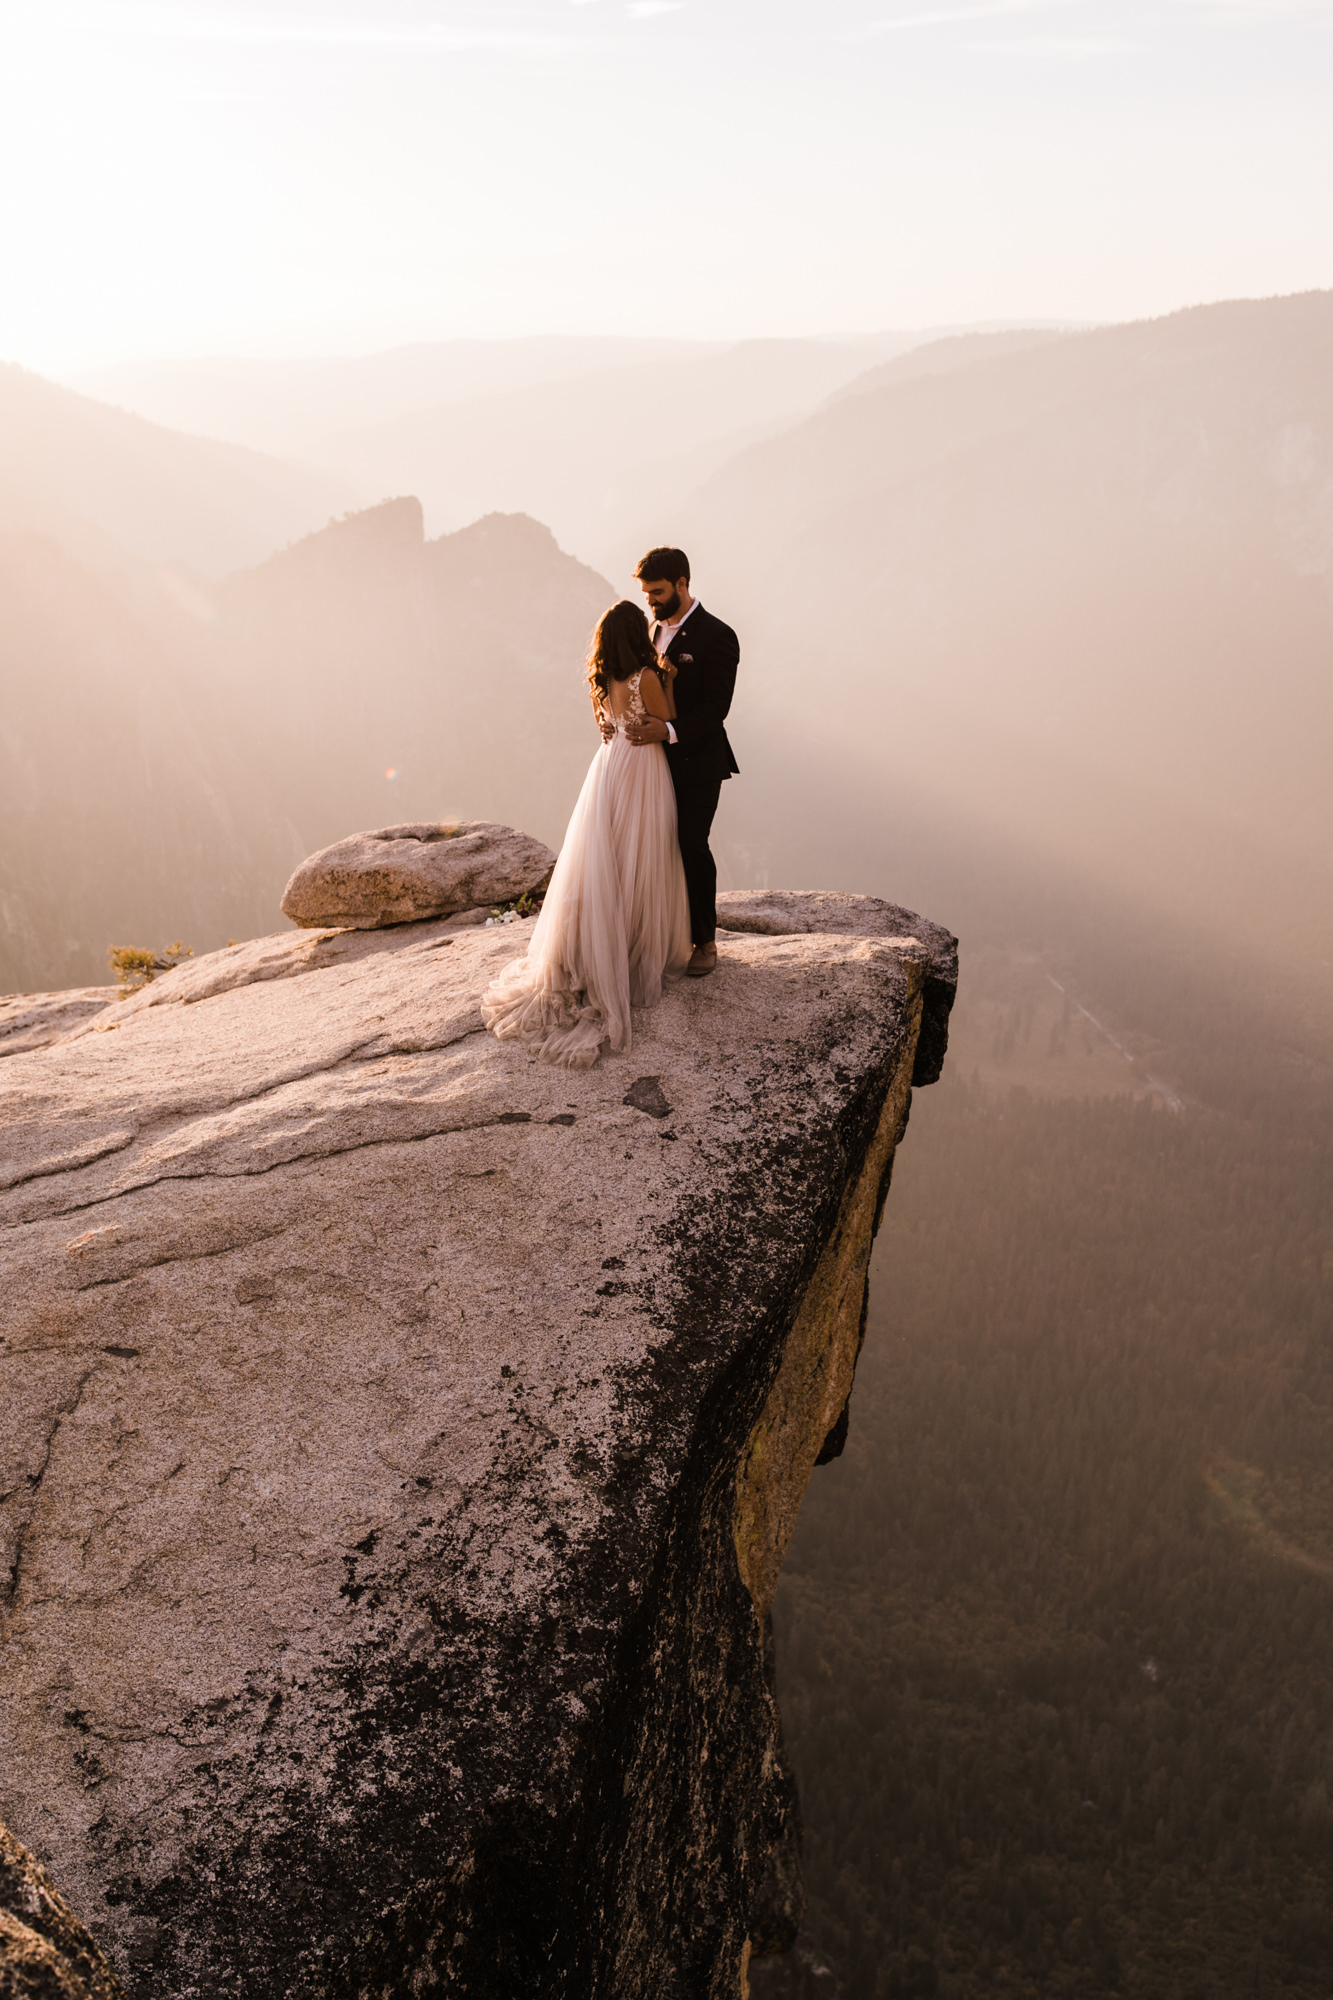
(403, 1438)
(45, 1952)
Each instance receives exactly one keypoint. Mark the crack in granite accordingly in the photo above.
(156, 1128)
(537, 1753)
(35, 1479)
(274, 1166)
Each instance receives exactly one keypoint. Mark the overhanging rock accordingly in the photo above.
(403, 1438)
(783, 913)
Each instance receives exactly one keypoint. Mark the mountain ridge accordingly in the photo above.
(1098, 571)
(159, 494)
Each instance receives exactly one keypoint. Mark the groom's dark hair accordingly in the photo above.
(663, 566)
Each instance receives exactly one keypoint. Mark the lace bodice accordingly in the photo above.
(635, 710)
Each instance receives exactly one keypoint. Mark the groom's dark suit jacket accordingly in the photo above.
(705, 654)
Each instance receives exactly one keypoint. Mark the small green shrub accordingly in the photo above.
(522, 906)
(134, 967)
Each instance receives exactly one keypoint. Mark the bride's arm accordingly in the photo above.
(604, 722)
(667, 670)
(654, 699)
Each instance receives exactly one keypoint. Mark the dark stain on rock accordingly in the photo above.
(646, 1094)
(836, 1442)
(581, 1797)
(252, 1291)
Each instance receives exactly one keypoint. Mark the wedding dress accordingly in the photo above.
(616, 916)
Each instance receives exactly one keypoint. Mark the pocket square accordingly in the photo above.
(685, 660)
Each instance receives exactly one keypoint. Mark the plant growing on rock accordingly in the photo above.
(135, 967)
(522, 906)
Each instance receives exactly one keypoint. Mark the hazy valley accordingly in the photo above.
(1036, 629)
(596, 438)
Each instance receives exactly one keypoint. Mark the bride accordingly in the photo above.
(616, 916)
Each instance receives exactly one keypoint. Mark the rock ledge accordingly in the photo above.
(401, 1443)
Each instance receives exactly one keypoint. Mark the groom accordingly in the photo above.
(705, 654)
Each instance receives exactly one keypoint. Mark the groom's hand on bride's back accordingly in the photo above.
(649, 731)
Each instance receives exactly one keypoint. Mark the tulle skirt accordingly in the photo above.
(616, 917)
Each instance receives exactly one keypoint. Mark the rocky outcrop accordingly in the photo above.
(402, 874)
(45, 1952)
(775, 913)
(401, 1442)
(34, 1020)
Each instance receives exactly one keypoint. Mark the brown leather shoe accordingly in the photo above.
(703, 960)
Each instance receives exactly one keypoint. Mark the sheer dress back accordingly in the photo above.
(616, 915)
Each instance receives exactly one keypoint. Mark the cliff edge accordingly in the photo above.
(402, 1439)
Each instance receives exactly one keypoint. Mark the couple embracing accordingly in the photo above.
(633, 895)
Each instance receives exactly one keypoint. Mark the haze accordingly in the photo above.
(981, 356)
(332, 175)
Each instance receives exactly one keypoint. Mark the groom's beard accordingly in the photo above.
(667, 611)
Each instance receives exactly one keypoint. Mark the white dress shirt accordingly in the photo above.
(662, 638)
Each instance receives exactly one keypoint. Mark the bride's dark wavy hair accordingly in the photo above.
(620, 647)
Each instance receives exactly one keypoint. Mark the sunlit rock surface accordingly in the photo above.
(45, 1952)
(33, 1020)
(783, 913)
(402, 874)
(401, 1442)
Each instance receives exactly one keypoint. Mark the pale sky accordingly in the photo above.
(281, 176)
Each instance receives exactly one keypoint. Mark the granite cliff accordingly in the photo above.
(401, 1444)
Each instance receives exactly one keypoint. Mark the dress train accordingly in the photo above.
(616, 915)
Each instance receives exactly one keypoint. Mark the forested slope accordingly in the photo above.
(1053, 1636)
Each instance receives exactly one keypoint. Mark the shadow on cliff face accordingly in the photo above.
(421, 1632)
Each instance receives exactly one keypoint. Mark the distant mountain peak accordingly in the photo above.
(394, 527)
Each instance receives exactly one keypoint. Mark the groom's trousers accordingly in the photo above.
(696, 802)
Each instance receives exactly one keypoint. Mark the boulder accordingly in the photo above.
(401, 1442)
(402, 874)
(45, 1952)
